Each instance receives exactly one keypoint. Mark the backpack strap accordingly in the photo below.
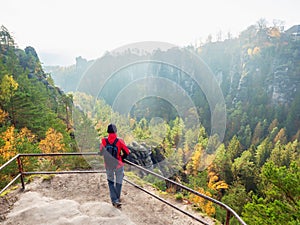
(114, 143)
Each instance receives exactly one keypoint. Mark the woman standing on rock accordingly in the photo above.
(114, 151)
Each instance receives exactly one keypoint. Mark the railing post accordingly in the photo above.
(227, 217)
(20, 166)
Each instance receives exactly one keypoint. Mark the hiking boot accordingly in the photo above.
(117, 204)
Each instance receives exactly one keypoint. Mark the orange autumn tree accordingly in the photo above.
(214, 181)
(14, 142)
(203, 204)
(194, 166)
(24, 134)
(3, 116)
(53, 143)
(7, 149)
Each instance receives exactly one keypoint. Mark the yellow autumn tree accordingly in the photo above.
(195, 165)
(8, 86)
(214, 181)
(3, 115)
(53, 143)
(203, 204)
(25, 133)
(8, 150)
(13, 142)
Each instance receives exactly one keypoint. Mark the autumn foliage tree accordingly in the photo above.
(8, 87)
(195, 165)
(15, 141)
(53, 143)
(8, 148)
(203, 204)
(214, 181)
(3, 116)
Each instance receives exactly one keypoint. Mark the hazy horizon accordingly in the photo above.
(60, 31)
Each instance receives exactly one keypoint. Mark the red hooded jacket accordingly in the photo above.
(120, 144)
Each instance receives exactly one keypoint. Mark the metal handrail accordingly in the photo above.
(15, 178)
(9, 161)
(21, 174)
(166, 202)
(228, 209)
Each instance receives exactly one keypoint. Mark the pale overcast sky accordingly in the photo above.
(61, 30)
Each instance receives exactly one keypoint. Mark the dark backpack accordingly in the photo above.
(110, 153)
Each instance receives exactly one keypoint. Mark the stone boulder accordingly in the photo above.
(140, 155)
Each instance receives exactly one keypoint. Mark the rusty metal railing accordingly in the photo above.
(229, 211)
(21, 173)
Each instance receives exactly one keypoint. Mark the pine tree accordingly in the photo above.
(282, 197)
(234, 148)
(263, 152)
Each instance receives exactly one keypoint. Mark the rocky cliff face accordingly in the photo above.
(275, 75)
(279, 86)
(283, 87)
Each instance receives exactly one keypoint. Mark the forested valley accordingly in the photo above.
(255, 170)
